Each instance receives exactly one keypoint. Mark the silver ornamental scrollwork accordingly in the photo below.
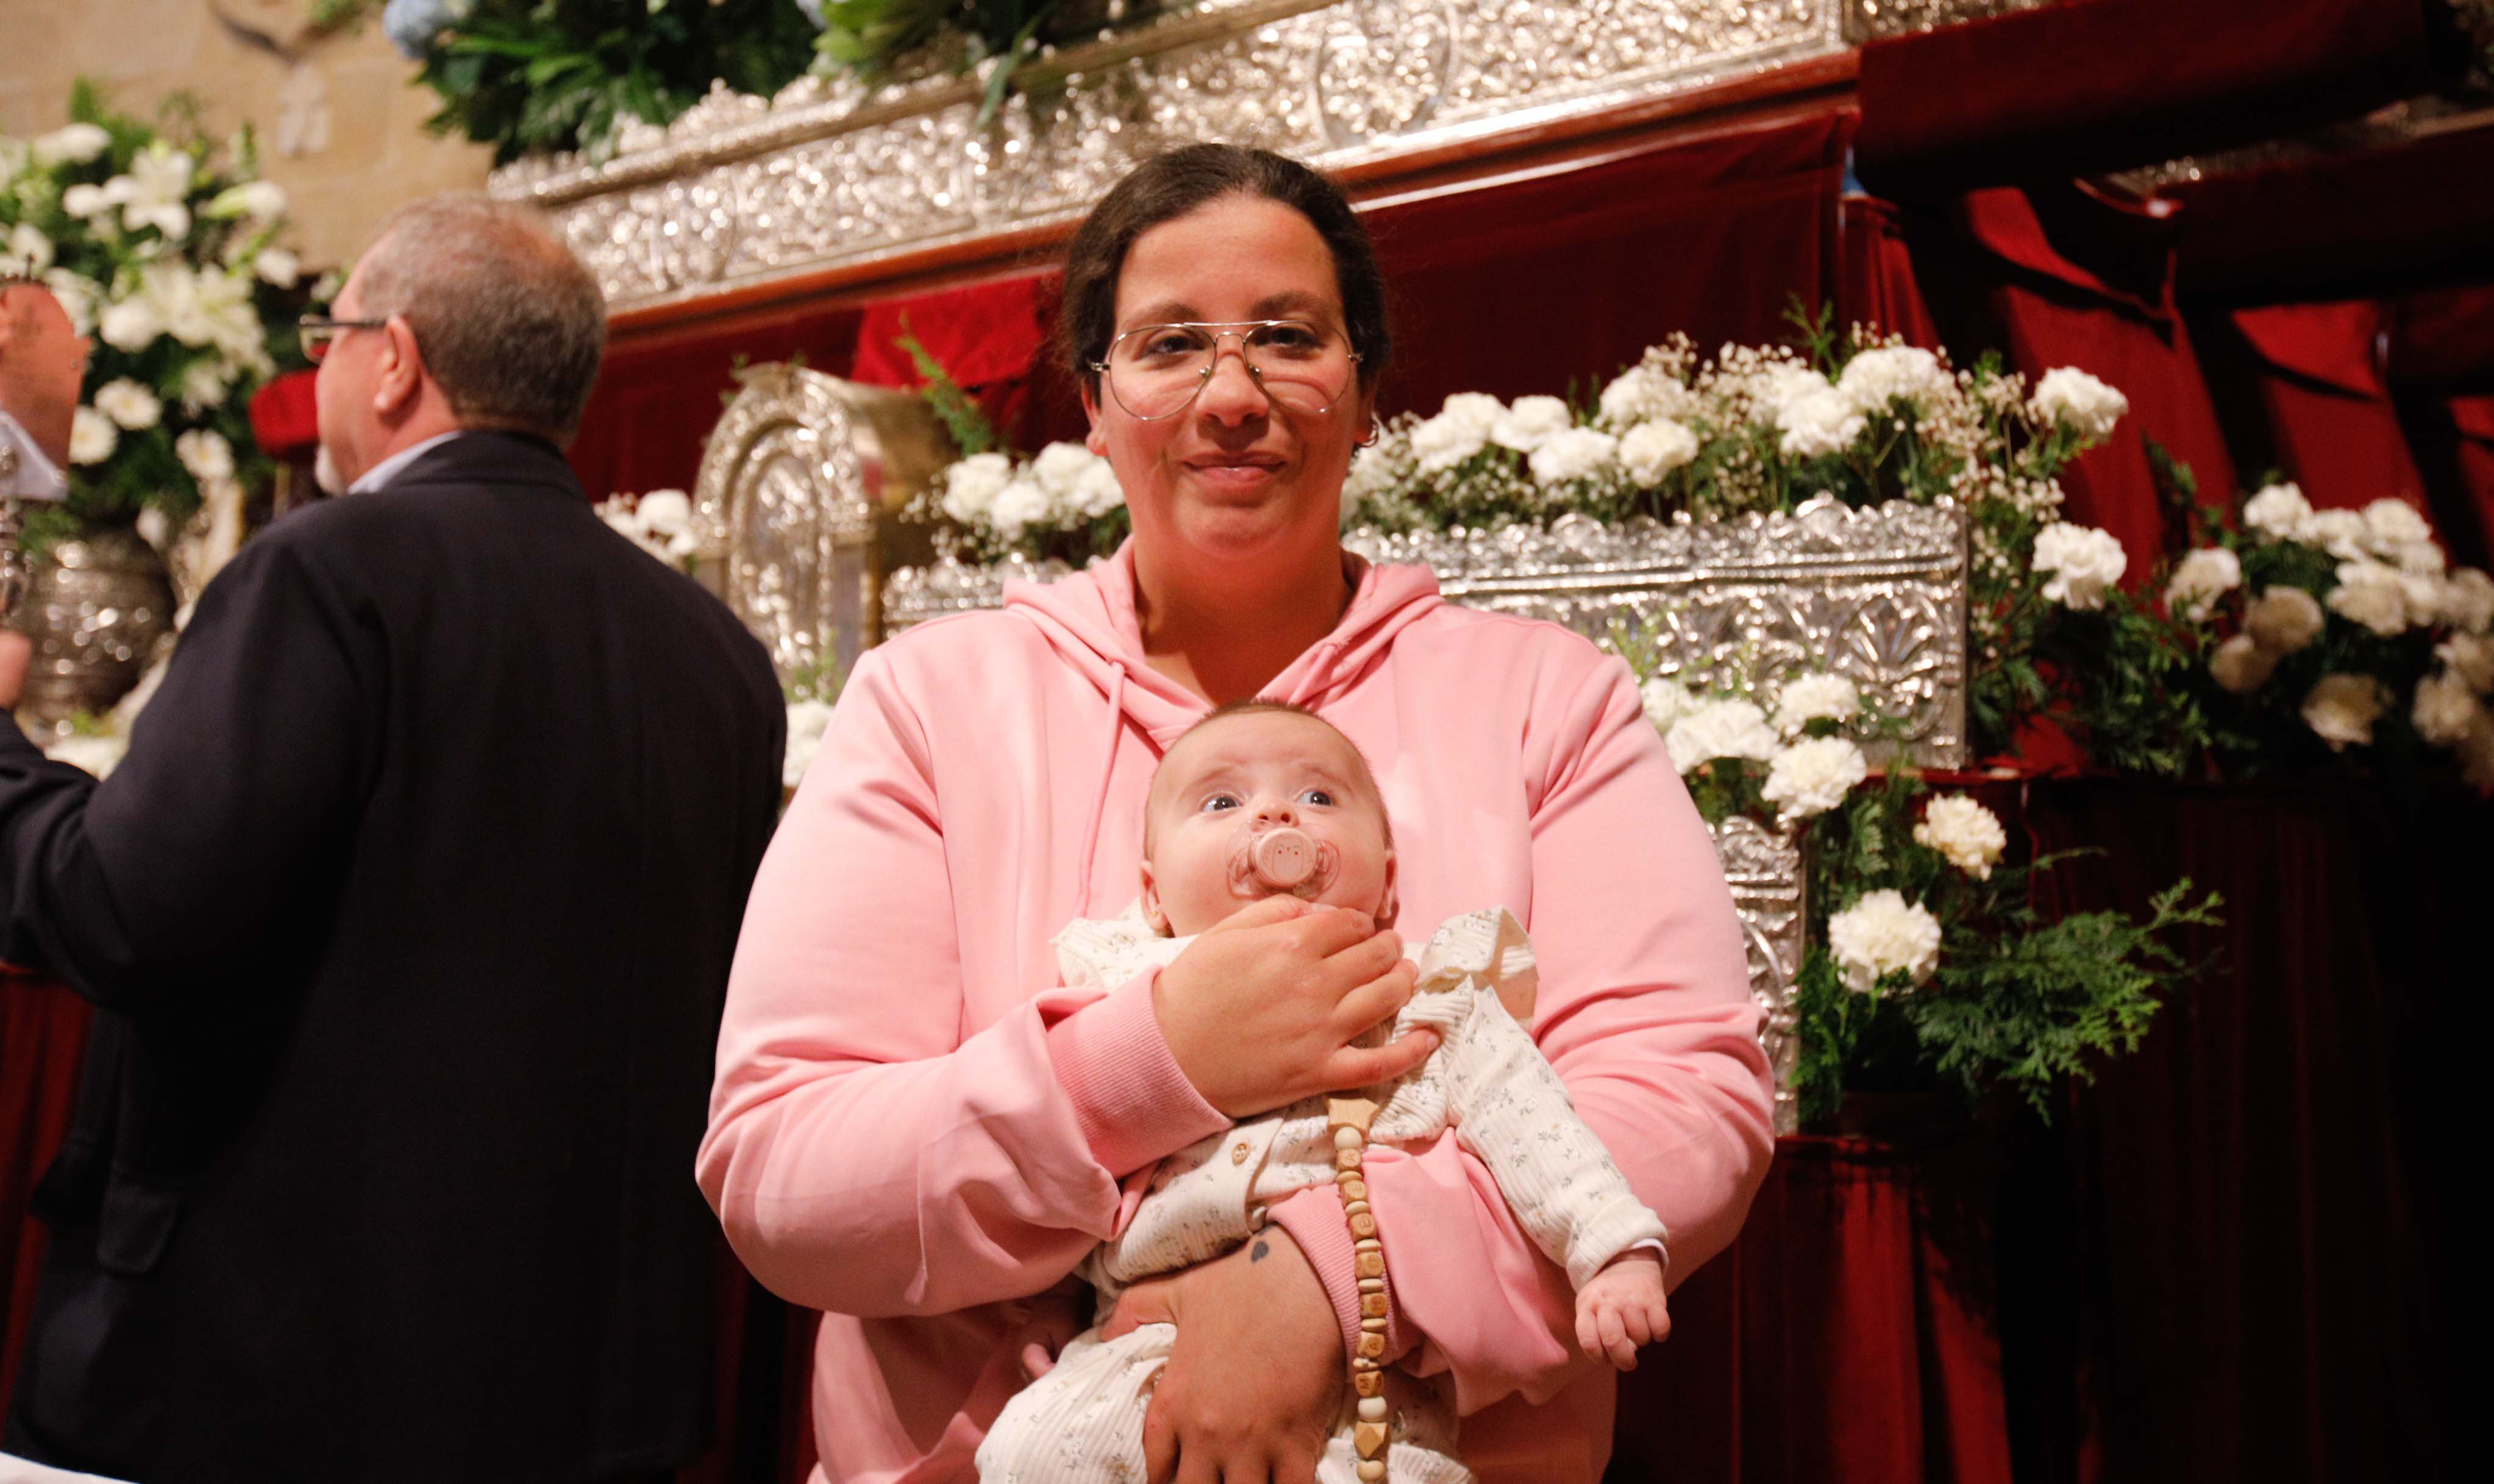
(1877, 595)
(832, 174)
(1763, 866)
(1382, 70)
(783, 499)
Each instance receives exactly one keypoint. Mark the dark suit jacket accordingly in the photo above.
(411, 912)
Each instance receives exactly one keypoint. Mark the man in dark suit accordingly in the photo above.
(410, 914)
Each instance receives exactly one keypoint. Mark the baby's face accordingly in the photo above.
(1228, 786)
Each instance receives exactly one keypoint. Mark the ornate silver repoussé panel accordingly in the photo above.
(786, 502)
(1763, 865)
(1877, 595)
(1874, 595)
(743, 189)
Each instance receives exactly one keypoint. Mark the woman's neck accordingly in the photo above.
(1226, 639)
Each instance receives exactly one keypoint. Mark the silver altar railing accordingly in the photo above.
(743, 191)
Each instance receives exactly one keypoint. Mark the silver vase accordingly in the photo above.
(99, 610)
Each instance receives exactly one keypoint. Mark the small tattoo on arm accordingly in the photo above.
(1257, 1252)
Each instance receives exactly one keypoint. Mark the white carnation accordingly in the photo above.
(2083, 562)
(666, 511)
(2424, 559)
(2278, 512)
(1813, 776)
(92, 436)
(1714, 729)
(1460, 430)
(971, 486)
(129, 404)
(1666, 701)
(1097, 492)
(1965, 832)
(1020, 502)
(76, 143)
(1819, 422)
(204, 386)
(1874, 379)
(2078, 402)
(206, 454)
(2200, 579)
(2341, 533)
(1532, 422)
(2391, 525)
(1815, 697)
(1655, 448)
(278, 266)
(2471, 658)
(2465, 602)
(1060, 467)
(2343, 708)
(2242, 665)
(25, 250)
(1883, 934)
(1572, 454)
(2446, 710)
(808, 720)
(130, 325)
(1641, 394)
(2284, 620)
(2373, 595)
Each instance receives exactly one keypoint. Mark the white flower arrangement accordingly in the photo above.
(2079, 402)
(1065, 503)
(2342, 622)
(164, 250)
(660, 522)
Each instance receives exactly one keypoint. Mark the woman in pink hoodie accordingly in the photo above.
(915, 1129)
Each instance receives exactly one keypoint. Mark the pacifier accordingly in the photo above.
(1283, 858)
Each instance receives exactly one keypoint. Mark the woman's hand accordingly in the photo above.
(1261, 1010)
(1256, 1375)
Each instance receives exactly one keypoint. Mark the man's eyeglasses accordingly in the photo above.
(1155, 371)
(318, 332)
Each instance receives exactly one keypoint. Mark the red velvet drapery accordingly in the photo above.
(42, 1039)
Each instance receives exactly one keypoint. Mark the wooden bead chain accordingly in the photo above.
(1350, 1118)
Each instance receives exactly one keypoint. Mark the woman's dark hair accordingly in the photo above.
(1167, 187)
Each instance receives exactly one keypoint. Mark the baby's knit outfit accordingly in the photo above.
(1082, 1422)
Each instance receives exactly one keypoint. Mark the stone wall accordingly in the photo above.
(340, 127)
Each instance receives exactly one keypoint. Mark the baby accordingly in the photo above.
(1260, 800)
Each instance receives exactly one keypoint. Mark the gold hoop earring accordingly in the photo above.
(1376, 432)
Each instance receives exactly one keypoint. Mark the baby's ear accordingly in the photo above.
(1388, 907)
(1152, 911)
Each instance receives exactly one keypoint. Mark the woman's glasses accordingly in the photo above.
(318, 332)
(1155, 371)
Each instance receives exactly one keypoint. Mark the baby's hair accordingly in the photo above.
(1251, 705)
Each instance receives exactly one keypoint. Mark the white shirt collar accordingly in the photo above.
(387, 470)
(24, 472)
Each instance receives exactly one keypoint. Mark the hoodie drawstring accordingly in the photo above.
(1107, 769)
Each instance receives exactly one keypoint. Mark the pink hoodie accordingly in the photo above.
(916, 1130)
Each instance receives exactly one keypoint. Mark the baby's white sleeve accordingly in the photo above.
(1513, 1112)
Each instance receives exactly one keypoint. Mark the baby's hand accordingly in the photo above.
(1621, 1307)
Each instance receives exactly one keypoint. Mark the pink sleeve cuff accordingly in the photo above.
(1314, 1219)
(1132, 1102)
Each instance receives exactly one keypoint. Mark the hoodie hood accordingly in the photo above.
(1089, 619)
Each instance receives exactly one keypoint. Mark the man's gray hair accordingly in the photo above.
(508, 321)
